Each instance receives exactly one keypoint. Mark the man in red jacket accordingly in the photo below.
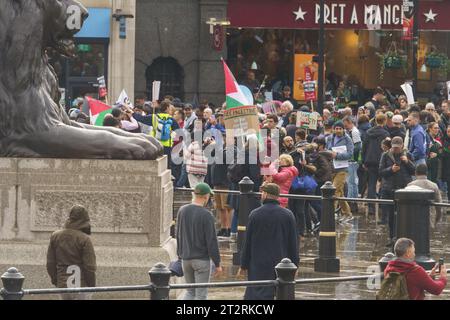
(417, 279)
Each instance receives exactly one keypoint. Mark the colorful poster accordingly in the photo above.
(305, 72)
(306, 120)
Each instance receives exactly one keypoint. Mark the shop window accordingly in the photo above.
(352, 60)
(171, 75)
(89, 60)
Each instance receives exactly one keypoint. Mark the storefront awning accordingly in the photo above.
(339, 14)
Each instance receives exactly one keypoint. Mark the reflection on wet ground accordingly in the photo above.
(360, 245)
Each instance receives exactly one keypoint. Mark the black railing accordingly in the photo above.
(160, 287)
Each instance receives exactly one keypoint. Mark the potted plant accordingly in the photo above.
(437, 60)
(392, 59)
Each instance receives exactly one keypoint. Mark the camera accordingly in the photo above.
(441, 263)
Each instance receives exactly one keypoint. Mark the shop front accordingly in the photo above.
(367, 44)
(78, 77)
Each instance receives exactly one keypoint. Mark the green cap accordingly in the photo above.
(272, 189)
(203, 189)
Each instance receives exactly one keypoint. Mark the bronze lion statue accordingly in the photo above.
(32, 122)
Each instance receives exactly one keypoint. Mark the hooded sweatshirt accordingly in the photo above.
(417, 280)
(72, 247)
(371, 150)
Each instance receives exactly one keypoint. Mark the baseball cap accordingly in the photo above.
(397, 119)
(397, 142)
(203, 189)
(271, 188)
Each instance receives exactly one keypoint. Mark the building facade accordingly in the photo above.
(175, 42)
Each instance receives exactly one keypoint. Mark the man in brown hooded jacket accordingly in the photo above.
(70, 250)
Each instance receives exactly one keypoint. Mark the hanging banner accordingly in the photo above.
(218, 37)
(306, 72)
(408, 20)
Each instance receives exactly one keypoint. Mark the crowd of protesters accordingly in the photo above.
(378, 147)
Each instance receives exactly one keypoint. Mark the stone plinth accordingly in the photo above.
(129, 202)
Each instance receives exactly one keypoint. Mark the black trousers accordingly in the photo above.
(389, 212)
(298, 209)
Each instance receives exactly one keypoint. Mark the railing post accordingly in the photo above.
(286, 271)
(327, 261)
(383, 262)
(245, 206)
(160, 278)
(413, 221)
(12, 285)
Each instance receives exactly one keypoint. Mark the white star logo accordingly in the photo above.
(300, 14)
(430, 16)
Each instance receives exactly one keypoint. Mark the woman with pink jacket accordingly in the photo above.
(286, 173)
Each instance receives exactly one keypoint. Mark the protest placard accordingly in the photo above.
(307, 120)
(156, 90)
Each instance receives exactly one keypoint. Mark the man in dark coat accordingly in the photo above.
(396, 170)
(371, 155)
(271, 236)
(72, 248)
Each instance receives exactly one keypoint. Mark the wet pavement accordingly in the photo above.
(360, 244)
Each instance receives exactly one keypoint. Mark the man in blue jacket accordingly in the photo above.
(340, 139)
(418, 143)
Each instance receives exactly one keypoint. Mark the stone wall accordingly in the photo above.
(129, 202)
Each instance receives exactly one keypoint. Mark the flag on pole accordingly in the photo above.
(98, 110)
(124, 100)
(235, 96)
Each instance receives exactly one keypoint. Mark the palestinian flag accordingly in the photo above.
(98, 110)
(235, 96)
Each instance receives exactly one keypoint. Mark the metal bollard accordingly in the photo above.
(286, 271)
(160, 278)
(245, 207)
(383, 262)
(413, 221)
(12, 285)
(327, 261)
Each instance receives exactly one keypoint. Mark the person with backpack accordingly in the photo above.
(163, 125)
(406, 280)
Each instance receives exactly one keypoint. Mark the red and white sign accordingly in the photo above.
(310, 90)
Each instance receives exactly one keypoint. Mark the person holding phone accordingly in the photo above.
(396, 170)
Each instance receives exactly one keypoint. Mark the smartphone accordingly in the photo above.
(441, 262)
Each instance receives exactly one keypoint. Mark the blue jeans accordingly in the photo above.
(183, 179)
(421, 161)
(352, 180)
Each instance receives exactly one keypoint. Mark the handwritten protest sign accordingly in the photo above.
(242, 120)
(307, 120)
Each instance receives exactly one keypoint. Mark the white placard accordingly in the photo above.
(407, 88)
(340, 164)
(156, 90)
(448, 89)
